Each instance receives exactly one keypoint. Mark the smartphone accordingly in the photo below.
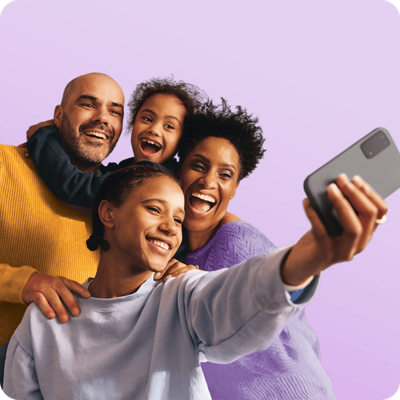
(375, 158)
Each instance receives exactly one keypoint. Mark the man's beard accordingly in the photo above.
(86, 153)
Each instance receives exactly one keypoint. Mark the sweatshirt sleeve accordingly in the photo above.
(20, 368)
(12, 282)
(239, 311)
(54, 166)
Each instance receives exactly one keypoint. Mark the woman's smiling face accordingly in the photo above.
(209, 177)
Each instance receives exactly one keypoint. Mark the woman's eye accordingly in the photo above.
(154, 209)
(225, 175)
(178, 221)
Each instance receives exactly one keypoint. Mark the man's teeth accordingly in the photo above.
(159, 243)
(96, 134)
(204, 197)
(151, 142)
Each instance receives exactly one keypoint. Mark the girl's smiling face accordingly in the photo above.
(158, 128)
(146, 230)
(209, 177)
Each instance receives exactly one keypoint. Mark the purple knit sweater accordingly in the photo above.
(290, 368)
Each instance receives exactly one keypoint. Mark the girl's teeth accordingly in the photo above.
(161, 244)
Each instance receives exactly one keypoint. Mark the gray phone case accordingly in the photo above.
(380, 170)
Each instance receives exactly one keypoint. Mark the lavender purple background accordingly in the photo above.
(318, 74)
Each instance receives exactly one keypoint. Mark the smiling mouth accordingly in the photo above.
(159, 243)
(202, 203)
(94, 134)
(149, 147)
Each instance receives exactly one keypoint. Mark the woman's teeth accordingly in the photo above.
(204, 197)
(159, 243)
(202, 202)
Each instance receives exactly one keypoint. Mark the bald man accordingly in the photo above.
(43, 253)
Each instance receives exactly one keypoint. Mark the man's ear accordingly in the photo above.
(105, 214)
(58, 111)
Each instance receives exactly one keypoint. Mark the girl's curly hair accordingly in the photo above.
(239, 127)
(190, 95)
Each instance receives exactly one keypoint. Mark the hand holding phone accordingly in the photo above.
(374, 158)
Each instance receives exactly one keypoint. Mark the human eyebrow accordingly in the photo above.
(117, 105)
(162, 202)
(204, 158)
(86, 97)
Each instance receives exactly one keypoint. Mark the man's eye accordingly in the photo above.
(115, 112)
(88, 105)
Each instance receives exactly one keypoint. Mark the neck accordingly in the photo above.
(114, 278)
(198, 239)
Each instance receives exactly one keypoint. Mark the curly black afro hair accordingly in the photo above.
(239, 127)
(190, 95)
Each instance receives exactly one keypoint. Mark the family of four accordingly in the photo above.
(229, 325)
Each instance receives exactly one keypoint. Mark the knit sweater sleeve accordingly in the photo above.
(54, 166)
(13, 281)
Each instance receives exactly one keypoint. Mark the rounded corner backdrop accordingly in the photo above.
(318, 74)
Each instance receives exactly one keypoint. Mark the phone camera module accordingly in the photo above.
(375, 144)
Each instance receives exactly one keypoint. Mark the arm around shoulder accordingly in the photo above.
(13, 281)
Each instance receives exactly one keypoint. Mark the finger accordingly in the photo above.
(75, 287)
(55, 302)
(372, 195)
(183, 270)
(23, 144)
(27, 154)
(352, 228)
(160, 274)
(44, 305)
(366, 209)
(317, 226)
(64, 291)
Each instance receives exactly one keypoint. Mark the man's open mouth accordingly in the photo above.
(95, 134)
(149, 147)
(202, 202)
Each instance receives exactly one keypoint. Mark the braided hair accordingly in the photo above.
(116, 188)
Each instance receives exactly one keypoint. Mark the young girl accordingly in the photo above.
(157, 110)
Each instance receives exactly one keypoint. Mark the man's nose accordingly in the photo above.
(101, 115)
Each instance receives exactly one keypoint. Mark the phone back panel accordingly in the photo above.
(382, 172)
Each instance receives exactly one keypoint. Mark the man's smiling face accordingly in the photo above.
(90, 118)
